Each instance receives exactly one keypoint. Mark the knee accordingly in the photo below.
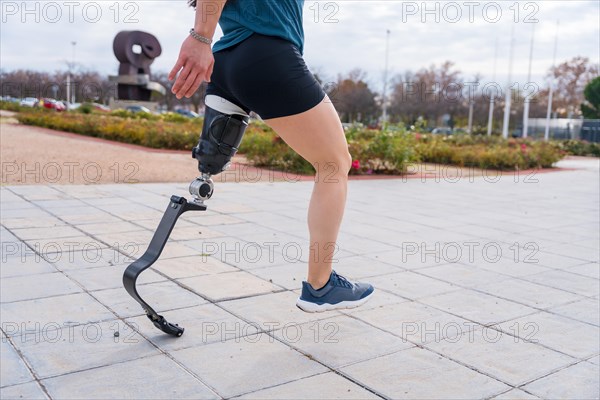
(335, 164)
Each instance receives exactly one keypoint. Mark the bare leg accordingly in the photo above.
(317, 135)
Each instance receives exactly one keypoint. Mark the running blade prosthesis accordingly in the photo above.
(222, 134)
(177, 206)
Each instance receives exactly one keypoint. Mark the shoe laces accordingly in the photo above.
(339, 280)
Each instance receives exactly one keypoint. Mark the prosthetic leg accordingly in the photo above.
(222, 132)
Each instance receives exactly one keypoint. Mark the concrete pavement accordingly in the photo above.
(485, 288)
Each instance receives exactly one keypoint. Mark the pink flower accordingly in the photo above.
(417, 136)
(369, 171)
(356, 164)
(523, 147)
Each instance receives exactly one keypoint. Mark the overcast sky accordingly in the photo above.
(339, 35)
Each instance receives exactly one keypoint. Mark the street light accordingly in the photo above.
(385, 74)
(73, 64)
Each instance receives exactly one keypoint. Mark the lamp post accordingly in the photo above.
(552, 79)
(508, 96)
(527, 97)
(492, 99)
(385, 74)
(73, 64)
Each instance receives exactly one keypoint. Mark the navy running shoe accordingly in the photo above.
(338, 293)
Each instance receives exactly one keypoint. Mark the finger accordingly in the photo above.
(188, 83)
(195, 86)
(175, 69)
(181, 79)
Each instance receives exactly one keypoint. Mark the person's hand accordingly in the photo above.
(197, 60)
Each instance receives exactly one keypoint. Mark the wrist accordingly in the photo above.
(200, 37)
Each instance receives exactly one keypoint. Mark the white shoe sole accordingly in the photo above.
(312, 307)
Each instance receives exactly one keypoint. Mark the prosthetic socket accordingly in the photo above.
(222, 132)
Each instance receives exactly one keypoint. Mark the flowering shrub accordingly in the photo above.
(373, 151)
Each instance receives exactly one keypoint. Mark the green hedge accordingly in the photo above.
(373, 151)
(160, 134)
(492, 152)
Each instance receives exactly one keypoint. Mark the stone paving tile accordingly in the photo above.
(203, 324)
(574, 338)
(18, 265)
(339, 340)
(400, 258)
(82, 258)
(361, 244)
(192, 232)
(411, 285)
(29, 391)
(405, 375)
(12, 368)
(579, 381)
(462, 275)
(287, 276)
(56, 245)
(241, 366)
(31, 316)
(415, 322)
(379, 299)
(508, 266)
(241, 229)
(60, 351)
(121, 239)
(30, 287)
(595, 360)
(478, 307)
(497, 354)
(130, 380)
(587, 310)
(228, 285)
(515, 394)
(552, 260)
(360, 267)
(273, 310)
(574, 283)
(592, 270)
(327, 386)
(239, 253)
(575, 251)
(162, 296)
(528, 293)
(186, 267)
(95, 217)
(109, 277)
(64, 231)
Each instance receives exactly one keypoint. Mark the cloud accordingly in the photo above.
(339, 35)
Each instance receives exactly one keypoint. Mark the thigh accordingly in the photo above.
(316, 134)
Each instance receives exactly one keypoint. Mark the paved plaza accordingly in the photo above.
(485, 288)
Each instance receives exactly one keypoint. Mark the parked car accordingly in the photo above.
(442, 131)
(137, 109)
(187, 113)
(29, 102)
(101, 107)
(53, 104)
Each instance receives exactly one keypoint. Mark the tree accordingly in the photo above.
(430, 92)
(570, 79)
(353, 99)
(591, 108)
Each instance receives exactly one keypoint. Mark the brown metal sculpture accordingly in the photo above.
(134, 70)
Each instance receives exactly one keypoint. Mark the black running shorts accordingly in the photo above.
(267, 75)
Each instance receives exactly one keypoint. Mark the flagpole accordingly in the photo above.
(508, 86)
(527, 97)
(552, 78)
(491, 113)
